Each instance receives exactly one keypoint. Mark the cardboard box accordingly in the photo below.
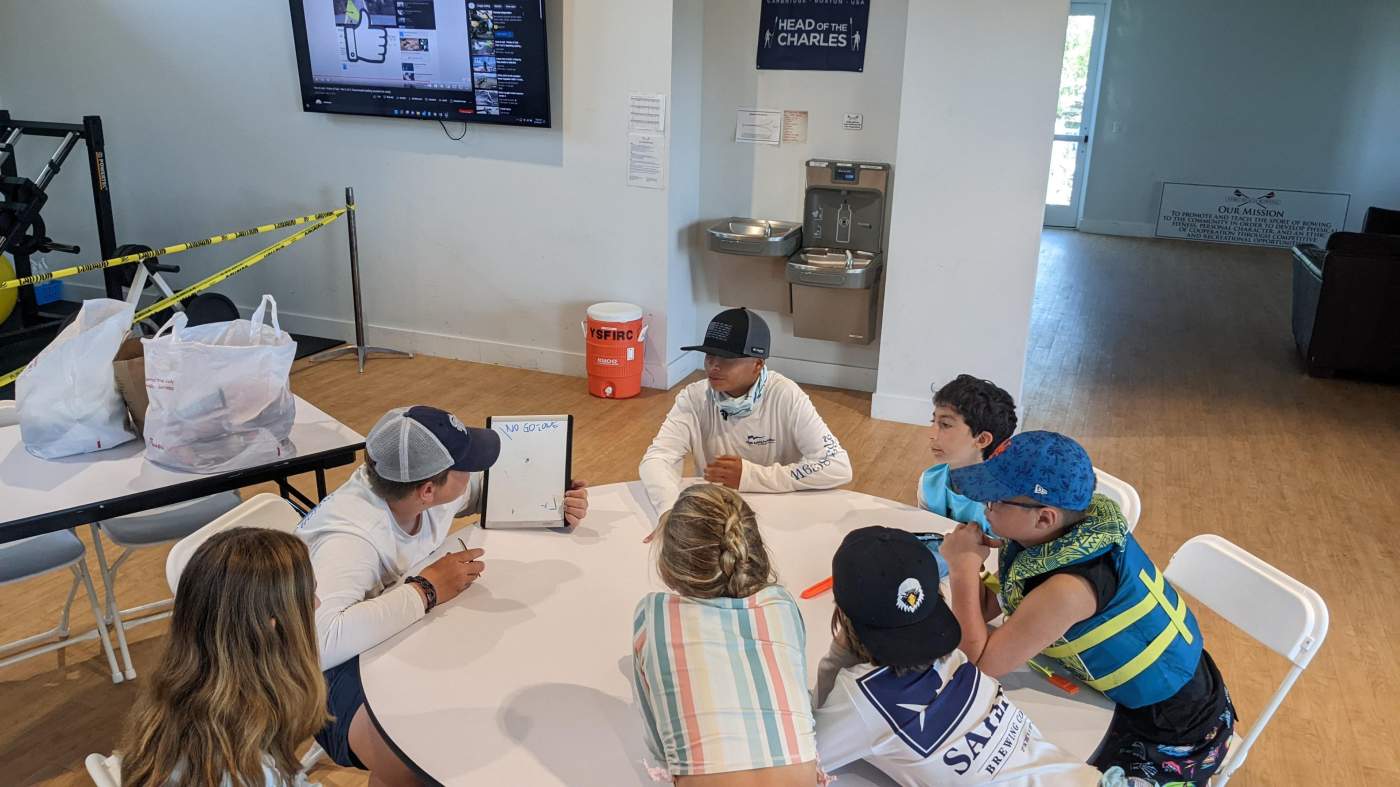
(129, 368)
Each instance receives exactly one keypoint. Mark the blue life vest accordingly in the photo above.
(1145, 644)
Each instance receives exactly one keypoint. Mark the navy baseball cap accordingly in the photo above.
(412, 444)
(886, 582)
(735, 333)
(1047, 467)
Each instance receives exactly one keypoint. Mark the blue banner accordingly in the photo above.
(813, 35)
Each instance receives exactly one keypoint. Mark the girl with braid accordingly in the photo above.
(719, 668)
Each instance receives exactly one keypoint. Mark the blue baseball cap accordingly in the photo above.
(1047, 467)
(412, 444)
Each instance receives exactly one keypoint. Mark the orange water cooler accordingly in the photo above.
(614, 333)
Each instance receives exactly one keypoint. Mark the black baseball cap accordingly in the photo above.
(416, 443)
(735, 333)
(886, 582)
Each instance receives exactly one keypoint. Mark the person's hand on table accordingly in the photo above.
(454, 572)
(966, 548)
(726, 470)
(576, 503)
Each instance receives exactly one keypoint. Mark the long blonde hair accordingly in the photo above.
(241, 676)
(711, 547)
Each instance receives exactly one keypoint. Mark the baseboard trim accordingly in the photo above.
(901, 409)
(682, 368)
(573, 364)
(1130, 229)
(462, 348)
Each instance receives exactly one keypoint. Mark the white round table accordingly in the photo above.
(526, 677)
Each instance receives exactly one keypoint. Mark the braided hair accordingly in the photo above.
(711, 547)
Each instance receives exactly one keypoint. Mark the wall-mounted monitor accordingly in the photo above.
(455, 60)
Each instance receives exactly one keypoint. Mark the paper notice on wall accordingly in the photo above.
(646, 160)
(646, 112)
(854, 121)
(1251, 216)
(794, 125)
(759, 126)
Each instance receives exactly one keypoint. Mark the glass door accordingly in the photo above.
(1074, 113)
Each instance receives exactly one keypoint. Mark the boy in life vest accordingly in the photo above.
(971, 417)
(1077, 587)
(908, 701)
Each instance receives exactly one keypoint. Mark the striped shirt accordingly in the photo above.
(722, 682)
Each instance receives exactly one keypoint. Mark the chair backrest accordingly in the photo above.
(1270, 606)
(1122, 493)
(263, 510)
(9, 412)
(1267, 604)
(1381, 220)
(103, 770)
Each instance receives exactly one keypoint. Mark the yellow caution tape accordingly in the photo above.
(64, 273)
(243, 264)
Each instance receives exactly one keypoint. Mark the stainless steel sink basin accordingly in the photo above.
(841, 268)
(754, 237)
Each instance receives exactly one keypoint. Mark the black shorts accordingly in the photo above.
(344, 696)
(1189, 764)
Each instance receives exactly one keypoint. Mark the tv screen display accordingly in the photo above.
(455, 60)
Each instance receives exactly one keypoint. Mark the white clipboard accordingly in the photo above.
(525, 487)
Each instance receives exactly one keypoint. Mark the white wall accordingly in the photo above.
(684, 225)
(763, 181)
(977, 107)
(1289, 94)
(485, 249)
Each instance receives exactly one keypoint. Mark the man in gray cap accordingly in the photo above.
(422, 468)
(746, 426)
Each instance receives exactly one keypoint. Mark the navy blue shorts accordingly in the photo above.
(344, 696)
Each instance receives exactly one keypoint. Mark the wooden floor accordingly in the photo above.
(1172, 362)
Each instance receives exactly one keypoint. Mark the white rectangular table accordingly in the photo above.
(43, 495)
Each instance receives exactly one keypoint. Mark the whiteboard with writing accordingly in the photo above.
(525, 487)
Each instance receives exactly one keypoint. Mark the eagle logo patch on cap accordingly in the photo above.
(911, 595)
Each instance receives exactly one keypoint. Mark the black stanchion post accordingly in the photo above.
(360, 350)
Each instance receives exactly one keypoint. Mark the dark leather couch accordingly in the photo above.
(1346, 301)
(1386, 222)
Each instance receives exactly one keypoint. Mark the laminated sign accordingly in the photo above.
(813, 35)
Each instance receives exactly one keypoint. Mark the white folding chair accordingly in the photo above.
(1267, 604)
(103, 770)
(148, 529)
(31, 557)
(265, 510)
(1122, 493)
(37, 555)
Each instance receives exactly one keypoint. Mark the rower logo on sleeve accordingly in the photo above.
(920, 709)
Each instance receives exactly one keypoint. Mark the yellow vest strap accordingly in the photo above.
(1138, 663)
(1116, 624)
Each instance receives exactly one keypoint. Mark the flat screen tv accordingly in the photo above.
(457, 60)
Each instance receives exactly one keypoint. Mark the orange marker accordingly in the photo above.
(1058, 681)
(817, 589)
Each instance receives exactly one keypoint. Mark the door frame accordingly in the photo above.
(1069, 216)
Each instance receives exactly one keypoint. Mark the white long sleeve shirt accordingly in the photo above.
(785, 444)
(360, 554)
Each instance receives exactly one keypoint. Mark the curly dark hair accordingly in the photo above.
(982, 405)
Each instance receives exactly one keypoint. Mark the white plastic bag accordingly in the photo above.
(220, 398)
(67, 396)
